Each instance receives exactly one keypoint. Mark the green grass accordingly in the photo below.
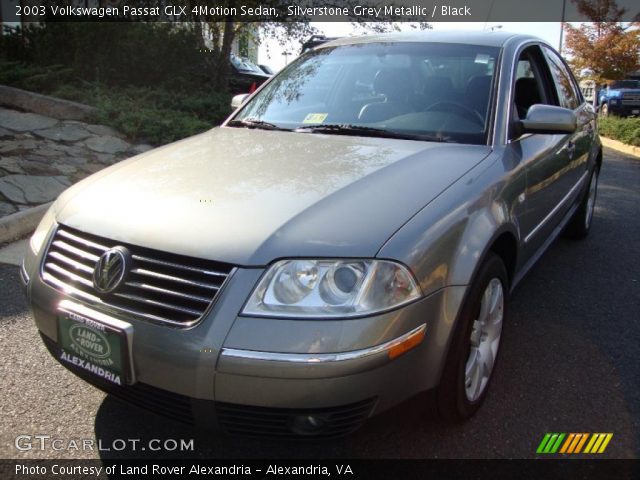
(154, 115)
(625, 130)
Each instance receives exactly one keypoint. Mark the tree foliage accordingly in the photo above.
(607, 47)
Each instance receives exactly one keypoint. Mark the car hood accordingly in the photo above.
(248, 197)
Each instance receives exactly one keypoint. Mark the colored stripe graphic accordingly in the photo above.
(598, 442)
(606, 442)
(543, 443)
(550, 443)
(568, 442)
(581, 443)
(556, 443)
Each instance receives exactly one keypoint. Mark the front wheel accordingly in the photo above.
(580, 224)
(474, 349)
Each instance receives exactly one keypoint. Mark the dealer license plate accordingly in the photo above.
(94, 346)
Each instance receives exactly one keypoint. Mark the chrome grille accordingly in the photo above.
(631, 98)
(160, 287)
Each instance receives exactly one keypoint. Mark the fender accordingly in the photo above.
(444, 244)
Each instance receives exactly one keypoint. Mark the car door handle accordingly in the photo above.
(571, 149)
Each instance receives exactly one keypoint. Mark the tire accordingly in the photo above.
(580, 224)
(458, 396)
(604, 110)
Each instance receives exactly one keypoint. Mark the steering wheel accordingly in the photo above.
(445, 104)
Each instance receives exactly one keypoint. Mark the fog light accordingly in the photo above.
(308, 424)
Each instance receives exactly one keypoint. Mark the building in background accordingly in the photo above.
(246, 44)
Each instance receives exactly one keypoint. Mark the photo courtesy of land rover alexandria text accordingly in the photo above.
(346, 240)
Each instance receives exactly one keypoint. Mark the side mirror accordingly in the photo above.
(549, 119)
(238, 100)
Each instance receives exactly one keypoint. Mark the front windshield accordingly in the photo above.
(625, 84)
(431, 91)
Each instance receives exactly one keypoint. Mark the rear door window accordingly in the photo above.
(568, 94)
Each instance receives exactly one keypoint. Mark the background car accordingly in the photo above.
(620, 98)
(266, 69)
(245, 76)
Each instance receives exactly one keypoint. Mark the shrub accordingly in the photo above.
(155, 116)
(147, 80)
(115, 53)
(626, 130)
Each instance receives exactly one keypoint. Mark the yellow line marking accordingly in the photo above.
(605, 443)
(598, 442)
(591, 442)
(567, 442)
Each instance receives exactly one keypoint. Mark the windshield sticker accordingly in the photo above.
(315, 118)
(482, 58)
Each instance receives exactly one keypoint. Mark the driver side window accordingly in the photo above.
(532, 85)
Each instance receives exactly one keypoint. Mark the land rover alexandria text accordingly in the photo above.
(346, 240)
(181, 470)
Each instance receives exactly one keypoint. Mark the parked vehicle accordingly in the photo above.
(266, 69)
(347, 239)
(621, 98)
(245, 75)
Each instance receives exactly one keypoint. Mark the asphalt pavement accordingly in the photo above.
(570, 362)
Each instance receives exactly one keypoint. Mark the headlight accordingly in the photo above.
(331, 288)
(38, 237)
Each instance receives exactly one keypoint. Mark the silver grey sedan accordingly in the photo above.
(347, 239)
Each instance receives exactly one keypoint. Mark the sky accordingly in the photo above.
(271, 53)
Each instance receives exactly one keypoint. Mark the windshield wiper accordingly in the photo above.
(255, 123)
(357, 130)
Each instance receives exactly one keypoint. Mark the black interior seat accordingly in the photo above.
(477, 93)
(437, 88)
(526, 95)
(394, 85)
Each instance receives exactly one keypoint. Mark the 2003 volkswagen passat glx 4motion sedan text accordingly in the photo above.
(347, 239)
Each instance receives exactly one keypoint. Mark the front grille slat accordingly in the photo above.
(82, 241)
(155, 303)
(76, 251)
(70, 262)
(180, 267)
(60, 285)
(144, 286)
(70, 275)
(171, 278)
(161, 287)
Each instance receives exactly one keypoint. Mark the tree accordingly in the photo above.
(607, 47)
(219, 30)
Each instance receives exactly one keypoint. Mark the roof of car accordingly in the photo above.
(472, 37)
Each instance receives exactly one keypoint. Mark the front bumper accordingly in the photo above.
(622, 109)
(234, 371)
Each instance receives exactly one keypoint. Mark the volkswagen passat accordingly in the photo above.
(347, 239)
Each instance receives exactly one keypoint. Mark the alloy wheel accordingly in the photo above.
(485, 340)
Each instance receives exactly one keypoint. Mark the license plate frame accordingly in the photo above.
(95, 343)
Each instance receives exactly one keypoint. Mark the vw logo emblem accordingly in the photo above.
(111, 269)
